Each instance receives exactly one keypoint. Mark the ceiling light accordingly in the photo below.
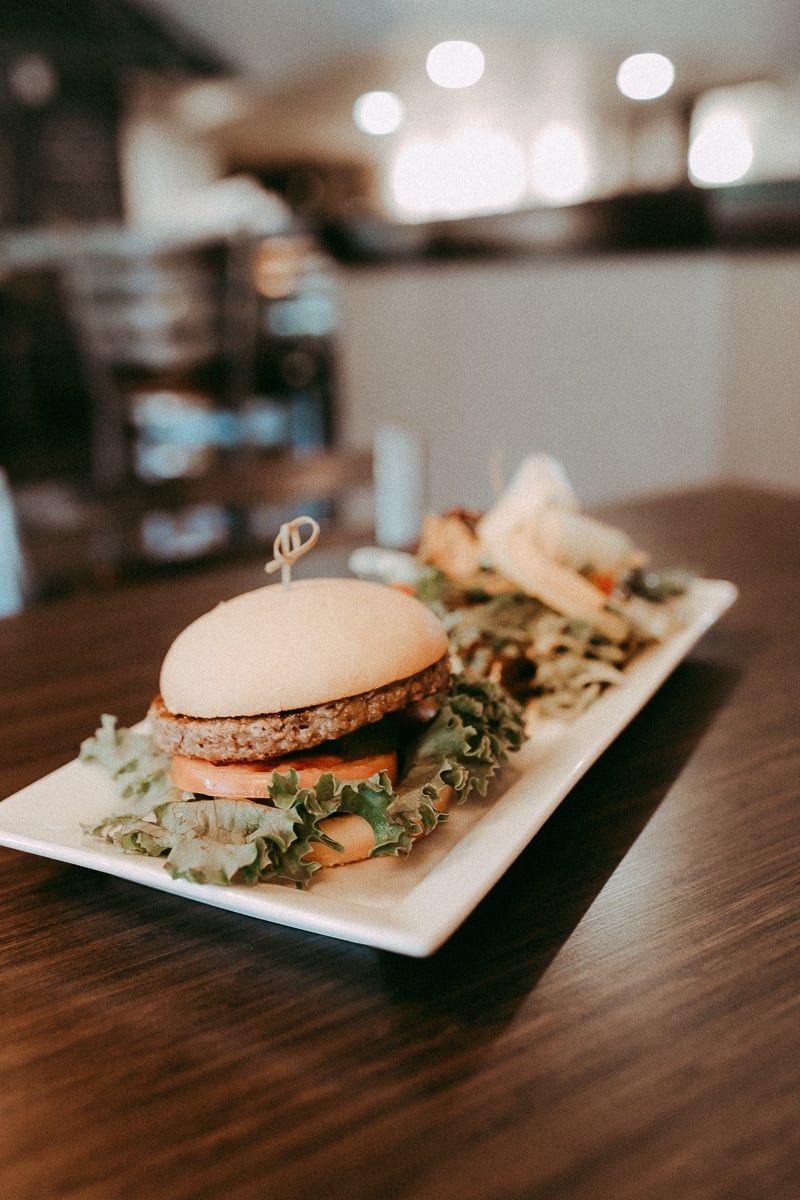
(378, 112)
(645, 76)
(561, 168)
(474, 169)
(721, 150)
(455, 64)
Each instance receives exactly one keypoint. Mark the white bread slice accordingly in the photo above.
(275, 648)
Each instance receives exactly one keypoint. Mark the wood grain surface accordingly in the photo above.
(618, 1018)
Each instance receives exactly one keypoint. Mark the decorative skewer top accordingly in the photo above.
(289, 546)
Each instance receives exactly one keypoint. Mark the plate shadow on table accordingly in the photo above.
(498, 955)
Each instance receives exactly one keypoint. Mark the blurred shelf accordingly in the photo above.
(75, 537)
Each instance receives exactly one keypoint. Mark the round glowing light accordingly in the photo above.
(475, 169)
(645, 76)
(379, 112)
(33, 80)
(722, 149)
(561, 168)
(455, 64)
(416, 178)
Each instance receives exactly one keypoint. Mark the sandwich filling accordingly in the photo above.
(293, 828)
(248, 739)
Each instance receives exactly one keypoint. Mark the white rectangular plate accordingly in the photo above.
(409, 905)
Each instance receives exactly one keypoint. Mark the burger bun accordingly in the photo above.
(276, 648)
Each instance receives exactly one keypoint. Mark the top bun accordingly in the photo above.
(275, 649)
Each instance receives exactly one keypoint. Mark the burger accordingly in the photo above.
(298, 728)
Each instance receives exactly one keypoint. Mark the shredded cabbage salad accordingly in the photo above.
(541, 655)
(538, 596)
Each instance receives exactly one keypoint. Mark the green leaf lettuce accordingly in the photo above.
(211, 840)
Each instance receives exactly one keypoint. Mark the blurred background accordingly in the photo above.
(356, 260)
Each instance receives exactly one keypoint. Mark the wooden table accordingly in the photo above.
(619, 1018)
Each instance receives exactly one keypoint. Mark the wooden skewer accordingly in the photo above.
(289, 546)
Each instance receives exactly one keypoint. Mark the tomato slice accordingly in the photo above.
(604, 580)
(253, 780)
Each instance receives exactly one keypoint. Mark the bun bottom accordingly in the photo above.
(354, 834)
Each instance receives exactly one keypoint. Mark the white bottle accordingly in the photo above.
(12, 564)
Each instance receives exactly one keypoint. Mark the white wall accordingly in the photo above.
(762, 370)
(612, 365)
(641, 374)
